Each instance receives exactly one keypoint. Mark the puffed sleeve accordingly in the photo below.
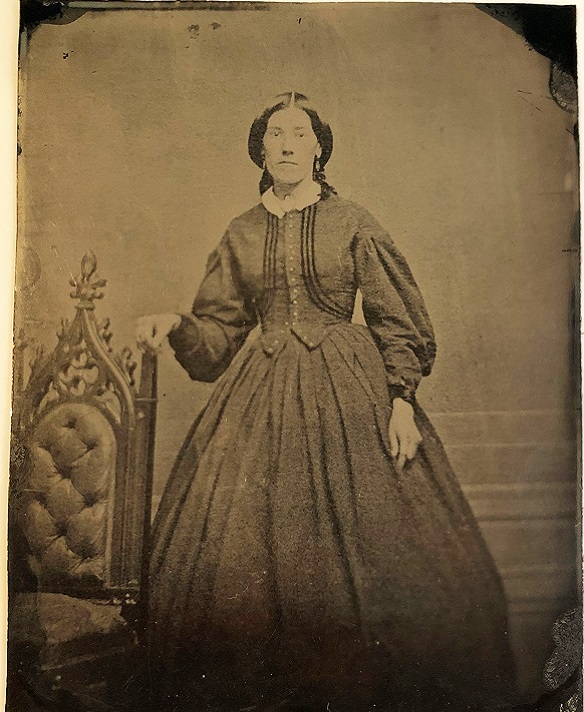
(208, 338)
(394, 309)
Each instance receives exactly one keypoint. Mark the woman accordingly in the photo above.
(312, 543)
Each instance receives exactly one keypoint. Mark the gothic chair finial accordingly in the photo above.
(88, 284)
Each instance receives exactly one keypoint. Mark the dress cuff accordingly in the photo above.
(404, 390)
(184, 336)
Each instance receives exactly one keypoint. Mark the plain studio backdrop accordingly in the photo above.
(134, 145)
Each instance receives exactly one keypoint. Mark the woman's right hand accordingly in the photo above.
(153, 329)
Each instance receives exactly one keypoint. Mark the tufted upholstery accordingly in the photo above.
(67, 492)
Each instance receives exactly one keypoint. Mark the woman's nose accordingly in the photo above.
(287, 147)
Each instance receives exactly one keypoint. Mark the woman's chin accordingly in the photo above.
(288, 178)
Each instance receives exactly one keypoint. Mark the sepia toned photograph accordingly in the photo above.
(296, 394)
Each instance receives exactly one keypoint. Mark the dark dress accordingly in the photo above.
(290, 556)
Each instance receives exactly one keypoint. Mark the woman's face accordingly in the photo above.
(290, 146)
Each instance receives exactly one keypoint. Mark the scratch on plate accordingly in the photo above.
(56, 253)
(530, 103)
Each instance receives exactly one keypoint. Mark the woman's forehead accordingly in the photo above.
(290, 117)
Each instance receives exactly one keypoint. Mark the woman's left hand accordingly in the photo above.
(404, 436)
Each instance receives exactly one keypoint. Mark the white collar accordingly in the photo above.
(306, 193)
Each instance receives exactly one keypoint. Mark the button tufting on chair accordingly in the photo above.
(61, 528)
(73, 453)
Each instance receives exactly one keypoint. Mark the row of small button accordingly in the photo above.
(291, 228)
(290, 268)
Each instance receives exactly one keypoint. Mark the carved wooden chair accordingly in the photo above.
(81, 487)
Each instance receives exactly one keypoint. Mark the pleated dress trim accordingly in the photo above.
(309, 272)
(314, 288)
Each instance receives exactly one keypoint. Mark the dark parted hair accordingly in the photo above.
(322, 131)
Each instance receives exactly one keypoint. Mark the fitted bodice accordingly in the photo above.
(293, 299)
(297, 276)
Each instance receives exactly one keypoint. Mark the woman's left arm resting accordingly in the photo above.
(396, 315)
